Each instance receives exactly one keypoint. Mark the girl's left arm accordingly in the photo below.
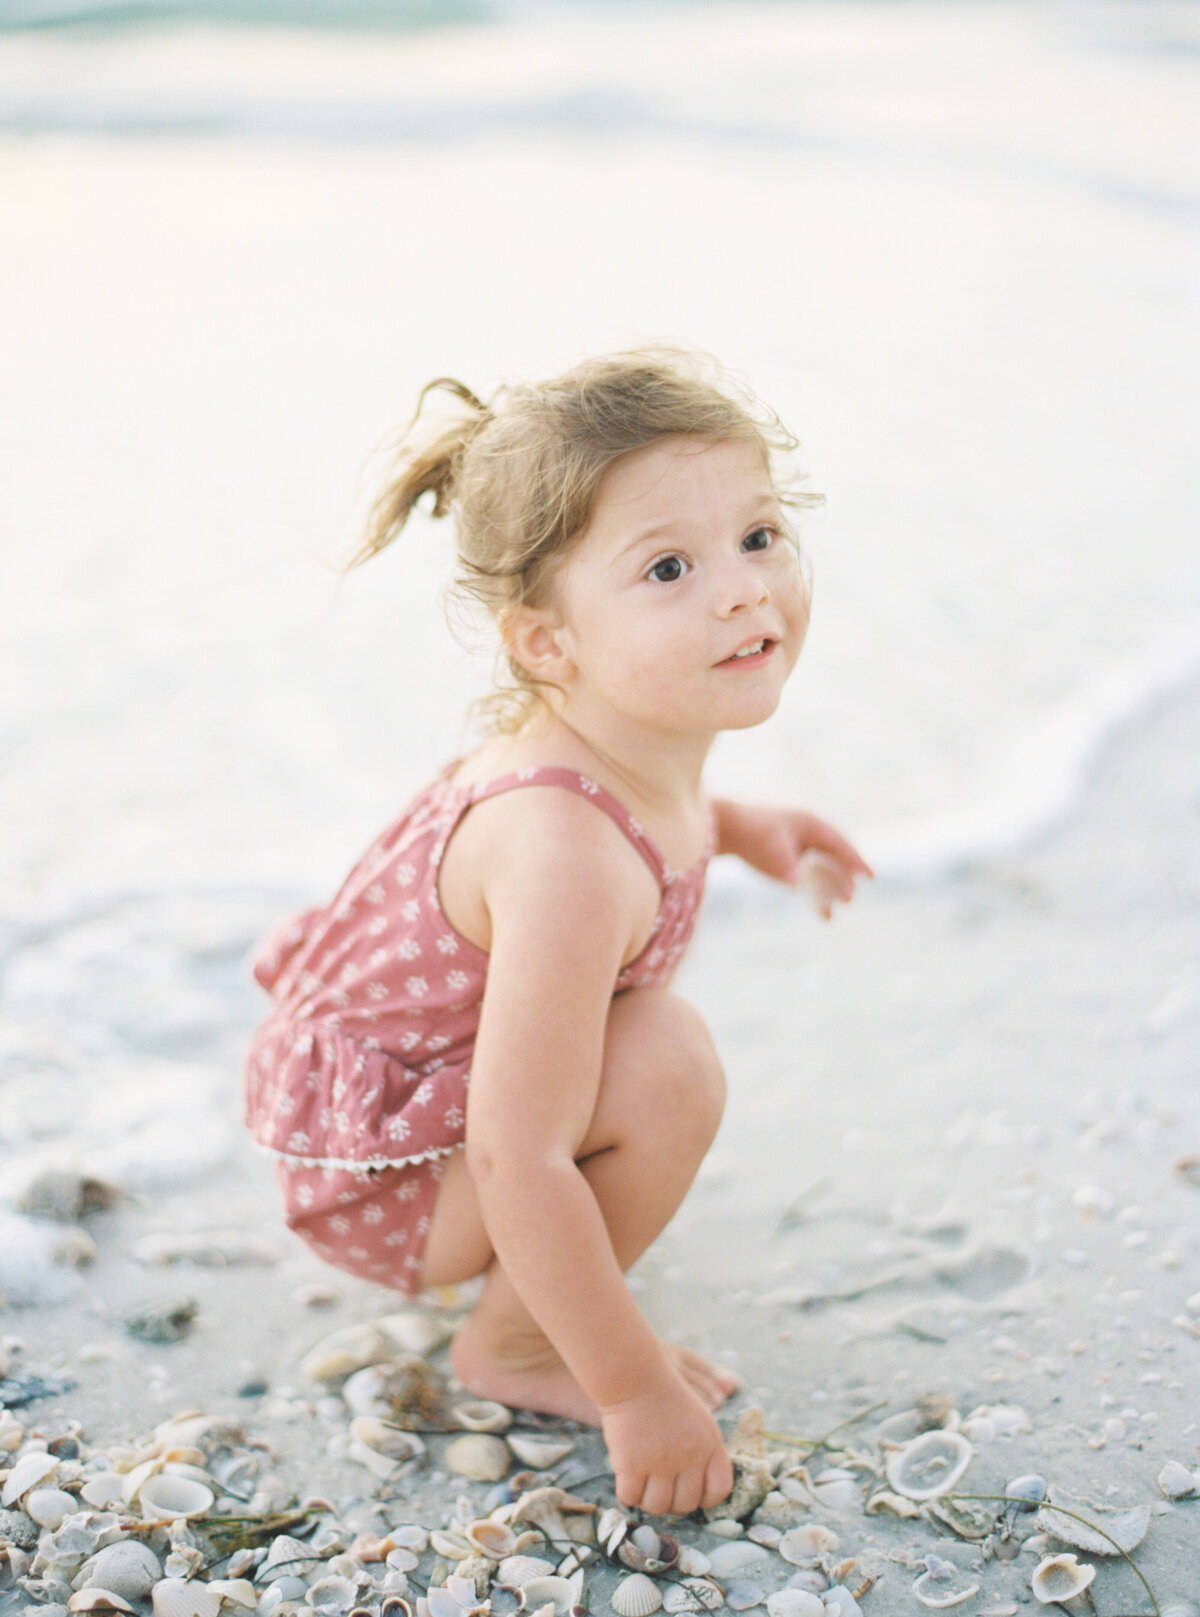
(777, 841)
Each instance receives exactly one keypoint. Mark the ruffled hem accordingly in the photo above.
(360, 1167)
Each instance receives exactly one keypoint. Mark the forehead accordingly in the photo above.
(668, 479)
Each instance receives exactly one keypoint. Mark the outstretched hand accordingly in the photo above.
(795, 848)
(667, 1452)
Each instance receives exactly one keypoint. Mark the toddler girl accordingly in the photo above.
(474, 1063)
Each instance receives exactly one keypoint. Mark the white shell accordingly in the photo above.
(1125, 1529)
(795, 1603)
(636, 1596)
(482, 1415)
(385, 1437)
(126, 1568)
(741, 1594)
(539, 1450)
(451, 1546)
(1059, 1578)
(518, 1570)
(691, 1562)
(342, 1352)
(237, 1592)
(49, 1507)
(174, 1597)
(332, 1594)
(494, 1539)
(1175, 1481)
(554, 1591)
(415, 1332)
(480, 1457)
(736, 1556)
(800, 1545)
(939, 1586)
(930, 1465)
(165, 1497)
(29, 1470)
(97, 1600)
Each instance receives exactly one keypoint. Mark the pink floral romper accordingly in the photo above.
(357, 1081)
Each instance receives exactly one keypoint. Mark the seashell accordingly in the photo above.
(285, 1556)
(1060, 1578)
(379, 1465)
(1003, 1420)
(691, 1562)
(736, 1556)
(765, 1534)
(644, 1550)
(1027, 1492)
(494, 1539)
(416, 1332)
(386, 1438)
(518, 1570)
(930, 1465)
(164, 1498)
(795, 1603)
(451, 1546)
(344, 1351)
(677, 1597)
(940, 1586)
(805, 1543)
(1175, 1481)
(395, 1606)
(237, 1593)
(725, 1527)
(175, 1597)
(839, 1602)
(539, 1450)
(479, 1456)
(333, 1594)
(561, 1593)
(482, 1415)
(636, 1596)
(741, 1595)
(410, 1536)
(835, 1487)
(127, 1568)
(1121, 1530)
(706, 1591)
(966, 1518)
(892, 1504)
(612, 1525)
(49, 1507)
(29, 1470)
(97, 1600)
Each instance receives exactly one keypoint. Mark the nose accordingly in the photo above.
(741, 586)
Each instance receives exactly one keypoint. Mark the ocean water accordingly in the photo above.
(955, 246)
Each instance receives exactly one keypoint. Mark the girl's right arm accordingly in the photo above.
(565, 901)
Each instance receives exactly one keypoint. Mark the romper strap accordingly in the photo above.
(583, 786)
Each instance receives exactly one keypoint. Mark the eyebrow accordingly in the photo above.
(761, 503)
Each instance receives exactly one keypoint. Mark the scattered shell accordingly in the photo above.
(539, 1450)
(97, 1600)
(803, 1544)
(1060, 1578)
(967, 1518)
(611, 1527)
(482, 1415)
(127, 1568)
(644, 1550)
(479, 1456)
(742, 1594)
(930, 1465)
(518, 1570)
(239, 1592)
(494, 1539)
(835, 1487)
(175, 1597)
(386, 1438)
(1175, 1481)
(165, 1497)
(736, 1556)
(892, 1504)
(691, 1562)
(1120, 1530)
(1028, 1491)
(333, 1594)
(636, 1596)
(561, 1593)
(29, 1470)
(344, 1351)
(726, 1527)
(795, 1603)
(415, 1331)
(451, 1546)
(941, 1585)
(49, 1507)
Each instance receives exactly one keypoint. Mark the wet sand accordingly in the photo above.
(949, 1165)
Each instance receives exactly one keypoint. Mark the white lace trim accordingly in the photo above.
(358, 1166)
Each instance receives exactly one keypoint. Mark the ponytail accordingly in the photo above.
(431, 467)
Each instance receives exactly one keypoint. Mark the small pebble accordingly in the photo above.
(168, 1319)
(1176, 1481)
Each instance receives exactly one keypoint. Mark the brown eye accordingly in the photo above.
(668, 570)
(760, 539)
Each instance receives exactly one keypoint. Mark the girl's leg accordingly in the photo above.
(659, 1104)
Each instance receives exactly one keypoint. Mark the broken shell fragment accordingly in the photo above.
(802, 1545)
(929, 1465)
(942, 1585)
(539, 1450)
(1120, 1531)
(636, 1596)
(482, 1415)
(891, 1504)
(559, 1593)
(29, 1470)
(1059, 1579)
(479, 1456)
(97, 1600)
(1026, 1492)
(1174, 1480)
(386, 1438)
(175, 1597)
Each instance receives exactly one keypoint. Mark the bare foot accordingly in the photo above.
(530, 1375)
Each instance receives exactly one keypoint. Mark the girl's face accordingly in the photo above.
(683, 608)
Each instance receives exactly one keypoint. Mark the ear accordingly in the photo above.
(536, 639)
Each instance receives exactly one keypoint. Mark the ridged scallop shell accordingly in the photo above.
(449, 1544)
(237, 1593)
(636, 1596)
(800, 1545)
(175, 1597)
(518, 1570)
(930, 1465)
(482, 1415)
(29, 1470)
(1059, 1578)
(479, 1456)
(165, 1497)
(539, 1450)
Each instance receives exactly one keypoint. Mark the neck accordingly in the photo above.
(660, 769)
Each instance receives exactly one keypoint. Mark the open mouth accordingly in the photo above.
(756, 648)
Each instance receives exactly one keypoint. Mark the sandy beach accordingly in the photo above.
(959, 1168)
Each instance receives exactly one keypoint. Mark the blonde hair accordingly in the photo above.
(520, 474)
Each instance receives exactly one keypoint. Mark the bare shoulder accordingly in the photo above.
(539, 852)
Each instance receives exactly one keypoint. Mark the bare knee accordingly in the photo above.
(662, 1071)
